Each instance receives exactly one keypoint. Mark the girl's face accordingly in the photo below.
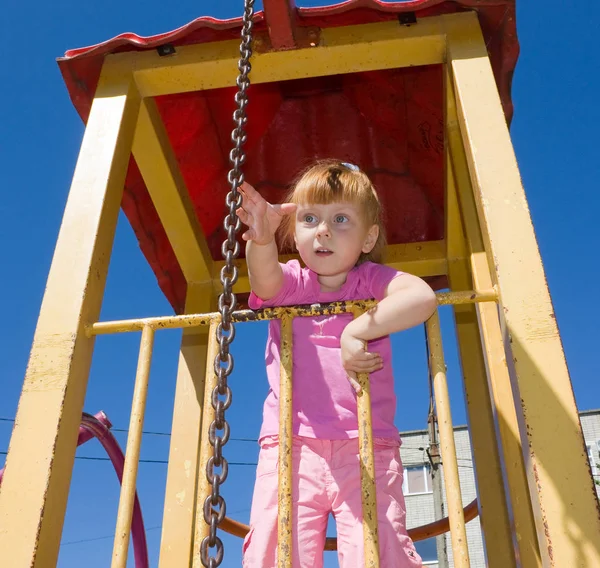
(330, 238)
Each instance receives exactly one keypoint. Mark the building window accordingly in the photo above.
(427, 550)
(417, 480)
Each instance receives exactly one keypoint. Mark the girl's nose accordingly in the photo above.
(323, 229)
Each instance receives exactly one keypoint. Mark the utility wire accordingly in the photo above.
(153, 433)
(101, 537)
(148, 432)
(94, 458)
(157, 527)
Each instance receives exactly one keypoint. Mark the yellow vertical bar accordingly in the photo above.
(499, 380)
(132, 454)
(285, 518)
(182, 475)
(493, 506)
(201, 528)
(40, 459)
(562, 490)
(447, 446)
(367, 469)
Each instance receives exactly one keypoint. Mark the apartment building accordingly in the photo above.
(422, 498)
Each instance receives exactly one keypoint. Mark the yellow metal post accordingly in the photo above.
(40, 459)
(201, 528)
(284, 520)
(132, 454)
(456, 516)
(159, 168)
(182, 475)
(367, 473)
(499, 380)
(494, 513)
(367, 469)
(566, 513)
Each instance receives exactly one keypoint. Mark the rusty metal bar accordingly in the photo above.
(285, 517)
(132, 455)
(195, 320)
(447, 446)
(201, 528)
(367, 469)
(422, 532)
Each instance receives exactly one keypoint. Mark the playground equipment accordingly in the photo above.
(417, 93)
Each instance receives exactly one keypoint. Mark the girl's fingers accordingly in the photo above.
(355, 385)
(369, 356)
(285, 208)
(244, 216)
(364, 366)
(362, 357)
(249, 192)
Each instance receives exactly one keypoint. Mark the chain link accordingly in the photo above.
(214, 505)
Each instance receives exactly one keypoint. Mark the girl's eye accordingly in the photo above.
(309, 218)
(341, 219)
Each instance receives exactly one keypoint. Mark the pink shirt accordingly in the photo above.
(324, 403)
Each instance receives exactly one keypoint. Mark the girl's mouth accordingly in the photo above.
(323, 252)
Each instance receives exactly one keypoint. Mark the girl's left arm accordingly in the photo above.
(408, 301)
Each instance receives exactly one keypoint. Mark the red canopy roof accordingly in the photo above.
(389, 122)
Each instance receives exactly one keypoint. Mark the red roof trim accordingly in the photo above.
(141, 43)
(136, 42)
(81, 67)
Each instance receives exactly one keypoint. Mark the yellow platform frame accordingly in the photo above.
(548, 516)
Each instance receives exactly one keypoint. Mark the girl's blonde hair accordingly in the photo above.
(329, 181)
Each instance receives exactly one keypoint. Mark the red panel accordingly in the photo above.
(389, 122)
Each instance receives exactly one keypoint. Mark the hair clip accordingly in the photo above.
(350, 166)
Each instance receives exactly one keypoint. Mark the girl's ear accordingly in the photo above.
(371, 239)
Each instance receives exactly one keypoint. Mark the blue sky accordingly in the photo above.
(555, 134)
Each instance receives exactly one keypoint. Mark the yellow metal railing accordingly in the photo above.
(148, 326)
(437, 365)
(132, 453)
(367, 468)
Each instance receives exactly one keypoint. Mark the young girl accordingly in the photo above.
(333, 217)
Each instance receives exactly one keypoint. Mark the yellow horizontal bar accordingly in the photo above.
(195, 320)
(468, 297)
(347, 49)
(422, 259)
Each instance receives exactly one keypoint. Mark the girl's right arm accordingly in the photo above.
(262, 255)
(264, 270)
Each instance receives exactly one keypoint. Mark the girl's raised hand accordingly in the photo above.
(262, 217)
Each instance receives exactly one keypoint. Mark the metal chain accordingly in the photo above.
(214, 505)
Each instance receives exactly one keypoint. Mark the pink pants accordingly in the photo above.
(326, 479)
